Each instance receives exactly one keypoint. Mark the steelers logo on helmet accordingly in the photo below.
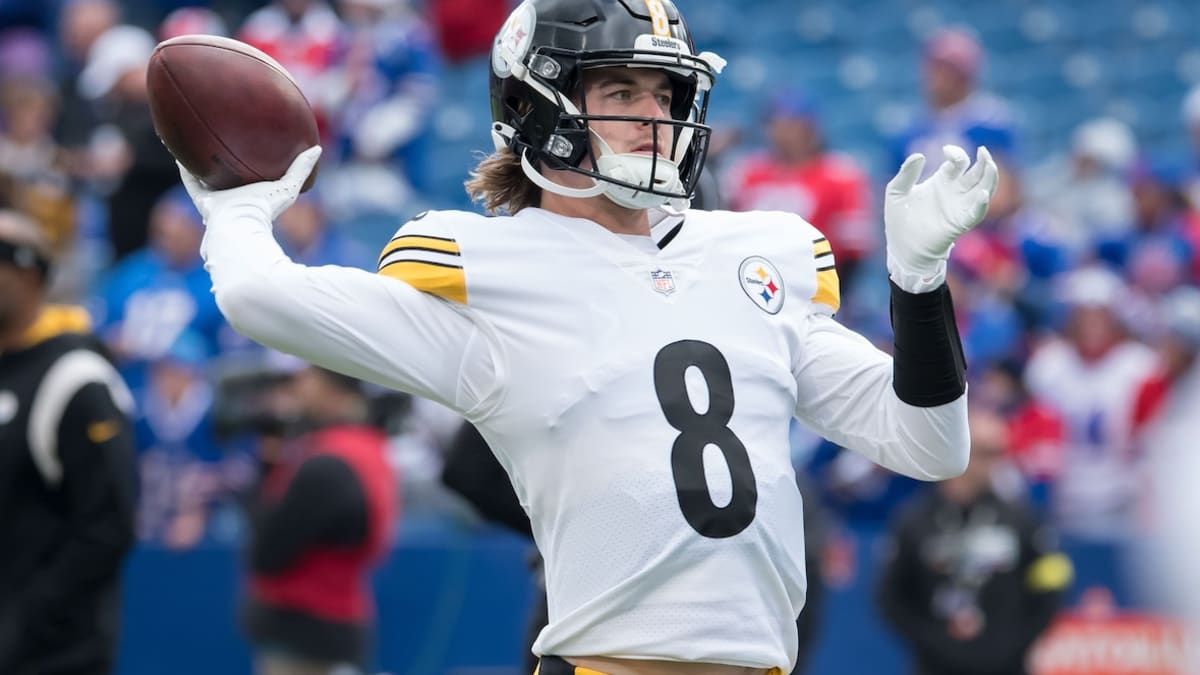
(539, 110)
(513, 41)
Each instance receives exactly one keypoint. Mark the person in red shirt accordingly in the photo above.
(797, 173)
(322, 518)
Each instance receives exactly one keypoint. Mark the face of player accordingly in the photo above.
(640, 92)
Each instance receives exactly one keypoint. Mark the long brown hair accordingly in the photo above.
(500, 184)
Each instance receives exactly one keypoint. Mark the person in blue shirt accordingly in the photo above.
(179, 459)
(956, 112)
(155, 294)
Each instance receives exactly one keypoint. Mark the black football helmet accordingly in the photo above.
(538, 108)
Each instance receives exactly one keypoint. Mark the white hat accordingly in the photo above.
(1092, 286)
(117, 51)
(1106, 140)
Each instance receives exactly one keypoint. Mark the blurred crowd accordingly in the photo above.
(1077, 297)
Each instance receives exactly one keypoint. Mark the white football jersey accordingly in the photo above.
(639, 397)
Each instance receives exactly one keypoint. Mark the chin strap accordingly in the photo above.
(630, 168)
(548, 185)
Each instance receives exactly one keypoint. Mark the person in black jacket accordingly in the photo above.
(67, 474)
(973, 579)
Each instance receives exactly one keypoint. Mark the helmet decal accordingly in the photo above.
(514, 39)
(659, 18)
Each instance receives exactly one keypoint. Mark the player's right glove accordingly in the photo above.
(922, 221)
(270, 198)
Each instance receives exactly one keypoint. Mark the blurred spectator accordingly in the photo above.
(1007, 266)
(956, 113)
(1087, 195)
(192, 21)
(305, 37)
(381, 97)
(80, 24)
(323, 516)
(125, 159)
(972, 577)
(1088, 374)
(153, 296)
(32, 175)
(1165, 231)
(797, 173)
(177, 449)
(389, 75)
(66, 474)
(1036, 431)
(305, 235)
(988, 323)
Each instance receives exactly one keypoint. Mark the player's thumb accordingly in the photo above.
(907, 176)
(302, 166)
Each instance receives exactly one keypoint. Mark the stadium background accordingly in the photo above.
(454, 594)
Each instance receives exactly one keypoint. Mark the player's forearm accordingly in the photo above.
(847, 392)
(926, 443)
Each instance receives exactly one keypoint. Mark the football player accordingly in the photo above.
(634, 364)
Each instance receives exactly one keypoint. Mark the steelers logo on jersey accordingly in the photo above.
(762, 283)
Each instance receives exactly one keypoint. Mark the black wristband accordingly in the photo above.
(929, 368)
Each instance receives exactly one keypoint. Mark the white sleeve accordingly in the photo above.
(369, 326)
(844, 390)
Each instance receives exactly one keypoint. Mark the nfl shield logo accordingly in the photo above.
(663, 281)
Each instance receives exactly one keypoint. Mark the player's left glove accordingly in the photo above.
(265, 198)
(922, 221)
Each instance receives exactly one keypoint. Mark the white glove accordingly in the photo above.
(271, 198)
(922, 221)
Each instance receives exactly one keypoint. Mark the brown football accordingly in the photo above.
(228, 112)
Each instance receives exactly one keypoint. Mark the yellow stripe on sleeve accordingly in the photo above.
(418, 242)
(821, 247)
(828, 289)
(445, 281)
